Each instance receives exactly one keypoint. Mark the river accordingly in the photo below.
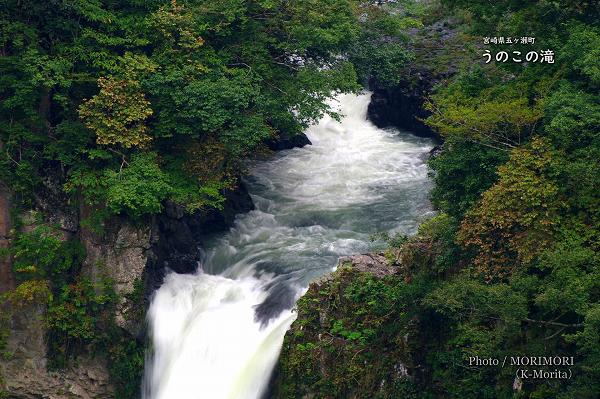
(216, 334)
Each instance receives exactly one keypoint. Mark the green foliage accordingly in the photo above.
(117, 114)
(439, 233)
(42, 253)
(79, 315)
(80, 319)
(381, 51)
(352, 327)
(466, 299)
(461, 173)
(518, 216)
(393, 240)
(582, 52)
(499, 117)
(139, 188)
(572, 117)
(518, 18)
(385, 62)
(77, 318)
(90, 89)
(126, 365)
(480, 320)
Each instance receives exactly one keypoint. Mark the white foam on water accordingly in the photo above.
(209, 339)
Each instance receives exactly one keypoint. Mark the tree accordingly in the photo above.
(118, 113)
(518, 216)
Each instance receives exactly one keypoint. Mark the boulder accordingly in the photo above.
(345, 342)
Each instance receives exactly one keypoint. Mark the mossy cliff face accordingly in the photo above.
(80, 332)
(75, 283)
(352, 337)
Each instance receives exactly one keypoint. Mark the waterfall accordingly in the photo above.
(217, 333)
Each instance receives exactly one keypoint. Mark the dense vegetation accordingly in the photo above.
(510, 264)
(124, 105)
(525, 209)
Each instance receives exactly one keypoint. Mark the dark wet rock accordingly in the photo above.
(212, 221)
(402, 105)
(287, 143)
(280, 298)
(178, 236)
(435, 151)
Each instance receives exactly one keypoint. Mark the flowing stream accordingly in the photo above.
(217, 333)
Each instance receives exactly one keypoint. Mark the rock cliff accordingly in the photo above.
(133, 255)
(347, 341)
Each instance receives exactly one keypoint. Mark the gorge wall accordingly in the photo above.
(134, 254)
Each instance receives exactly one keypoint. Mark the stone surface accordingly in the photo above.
(120, 254)
(24, 370)
(287, 143)
(376, 264)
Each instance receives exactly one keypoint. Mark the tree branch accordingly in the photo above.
(553, 323)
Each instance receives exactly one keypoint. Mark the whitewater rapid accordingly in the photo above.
(216, 334)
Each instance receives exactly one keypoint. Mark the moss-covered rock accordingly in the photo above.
(353, 335)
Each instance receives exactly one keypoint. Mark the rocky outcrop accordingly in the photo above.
(24, 371)
(348, 341)
(374, 264)
(24, 358)
(134, 256)
(178, 236)
(284, 142)
(119, 253)
(137, 255)
(402, 105)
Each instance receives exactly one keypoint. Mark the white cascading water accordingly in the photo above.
(217, 334)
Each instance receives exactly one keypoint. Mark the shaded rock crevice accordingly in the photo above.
(402, 107)
(177, 237)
